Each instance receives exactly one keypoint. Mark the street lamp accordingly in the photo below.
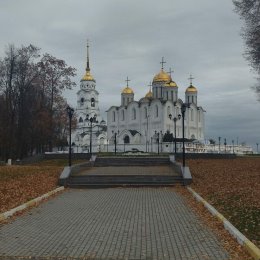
(115, 142)
(183, 110)
(174, 121)
(70, 112)
(225, 143)
(91, 120)
(219, 144)
(157, 139)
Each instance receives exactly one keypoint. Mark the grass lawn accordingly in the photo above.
(232, 186)
(19, 183)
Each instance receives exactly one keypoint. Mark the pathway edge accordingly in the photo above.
(251, 248)
(29, 203)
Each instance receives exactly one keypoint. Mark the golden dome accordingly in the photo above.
(171, 84)
(149, 94)
(191, 89)
(88, 76)
(127, 90)
(162, 76)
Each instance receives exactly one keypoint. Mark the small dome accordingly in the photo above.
(149, 94)
(171, 84)
(191, 89)
(127, 90)
(162, 76)
(88, 77)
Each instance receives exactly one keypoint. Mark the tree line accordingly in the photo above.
(33, 117)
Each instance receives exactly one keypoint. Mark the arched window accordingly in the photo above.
(93, 102)
(133, 114)
(156, 111)
(80, 120)
(123, 115)
(82, 101)
(145, 112)
(168, 111)
(126, 139)
(113, 116)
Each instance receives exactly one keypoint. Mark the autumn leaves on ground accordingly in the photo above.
(19, 184)
(232, 186)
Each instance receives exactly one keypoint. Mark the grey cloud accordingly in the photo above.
(128, 38)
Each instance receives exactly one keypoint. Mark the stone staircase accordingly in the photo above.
(131, 161)
(107, 181)
(103, 173)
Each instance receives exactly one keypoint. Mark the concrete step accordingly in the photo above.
(125, 161)
(128, 180)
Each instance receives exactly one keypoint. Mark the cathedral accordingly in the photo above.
(136, 125)
(140, 124)
(90, 134)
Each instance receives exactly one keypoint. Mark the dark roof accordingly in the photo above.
(133, 132)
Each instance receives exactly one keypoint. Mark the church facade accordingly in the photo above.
(138, 124)
(91, 129)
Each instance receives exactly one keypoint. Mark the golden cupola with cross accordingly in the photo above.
(127, 94)
(191, 93)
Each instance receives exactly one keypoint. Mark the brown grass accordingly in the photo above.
(233, 187)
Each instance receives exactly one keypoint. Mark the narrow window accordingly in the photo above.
(145, 112)
(92, 102)
(168, 111)
(114, 116)
(156, 111)
(123, 115)
(133, 114)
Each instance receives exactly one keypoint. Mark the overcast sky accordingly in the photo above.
(129, 38)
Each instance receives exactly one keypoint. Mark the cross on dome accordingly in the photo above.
(170, 71)
(191, 78)
(150, 85)
(162, 62)
(88, 54)
(127, 80)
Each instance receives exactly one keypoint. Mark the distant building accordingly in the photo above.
(137, 123)
(88, 110)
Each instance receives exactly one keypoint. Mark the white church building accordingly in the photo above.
(90, 132)
(138, 124)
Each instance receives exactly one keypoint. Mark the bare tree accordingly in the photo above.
(32, 110)
(249, 10)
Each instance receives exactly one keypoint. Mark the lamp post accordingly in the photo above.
(225, 143)
(70, 112)
(219, 144)
(115, 142)
(233, 145)
(91, 120)
(183, 110)
(174, 121)
(157, 139)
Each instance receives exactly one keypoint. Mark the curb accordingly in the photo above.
(252, 249)
(28, 204)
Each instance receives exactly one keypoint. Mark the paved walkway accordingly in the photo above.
(130, 170)
(142, 223)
